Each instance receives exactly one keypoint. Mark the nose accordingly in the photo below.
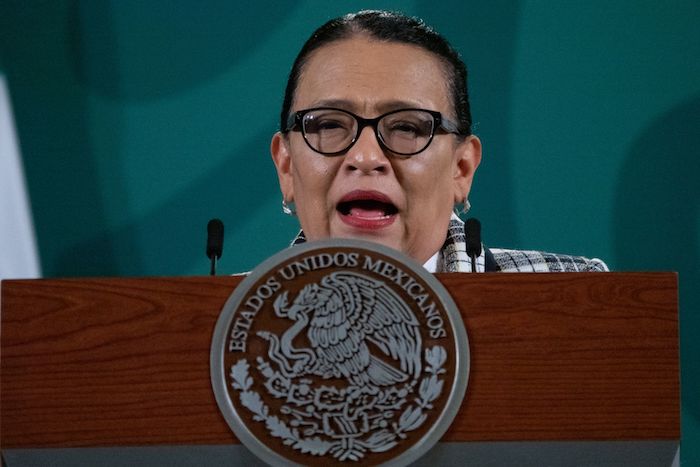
(366, 154)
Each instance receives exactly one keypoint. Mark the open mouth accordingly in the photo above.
(367, 209)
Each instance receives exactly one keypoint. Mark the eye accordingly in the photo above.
(329, 124)
(404, 127)
(407, 128)
(326, 123)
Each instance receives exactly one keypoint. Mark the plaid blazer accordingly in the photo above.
(453, 257)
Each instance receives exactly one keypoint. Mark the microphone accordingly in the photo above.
(215, 242)
(472, 230)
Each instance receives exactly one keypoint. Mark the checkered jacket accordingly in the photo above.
(453, 257)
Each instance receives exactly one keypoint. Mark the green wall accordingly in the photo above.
(139, 121)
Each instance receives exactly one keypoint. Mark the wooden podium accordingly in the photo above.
(584, 364)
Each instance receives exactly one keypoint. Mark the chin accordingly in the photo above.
(374, 238)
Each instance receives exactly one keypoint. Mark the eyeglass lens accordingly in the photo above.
(403, 132)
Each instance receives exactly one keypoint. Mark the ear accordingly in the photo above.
(467, 159)
(279, 148)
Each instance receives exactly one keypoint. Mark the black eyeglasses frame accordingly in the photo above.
(296, 119)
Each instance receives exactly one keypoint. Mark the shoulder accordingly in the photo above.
(540, 261)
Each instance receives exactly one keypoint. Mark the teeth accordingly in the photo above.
(367, 209)
(364, 214)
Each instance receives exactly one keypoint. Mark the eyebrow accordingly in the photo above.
(381, 107)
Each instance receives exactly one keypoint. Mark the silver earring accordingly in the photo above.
(464, 207)
(288, 208)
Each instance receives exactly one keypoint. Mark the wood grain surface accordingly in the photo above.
(107, 362)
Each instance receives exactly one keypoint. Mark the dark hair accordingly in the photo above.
(389, 27)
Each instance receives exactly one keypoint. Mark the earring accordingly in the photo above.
(288, 209)
(464, 207)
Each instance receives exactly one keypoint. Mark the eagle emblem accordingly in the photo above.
(342, 356)
(354, 324)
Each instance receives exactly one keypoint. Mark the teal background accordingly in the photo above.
(140, 121)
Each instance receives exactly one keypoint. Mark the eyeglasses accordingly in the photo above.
(331, 132)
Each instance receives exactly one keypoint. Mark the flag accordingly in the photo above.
(18, 252)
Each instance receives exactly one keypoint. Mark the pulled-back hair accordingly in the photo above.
(389, 27)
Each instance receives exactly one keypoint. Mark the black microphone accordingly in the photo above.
(472, 230)
(215, 242)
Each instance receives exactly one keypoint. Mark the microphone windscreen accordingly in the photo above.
(215, 238)
(472, 230)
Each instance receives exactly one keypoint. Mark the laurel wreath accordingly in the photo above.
(380, 441)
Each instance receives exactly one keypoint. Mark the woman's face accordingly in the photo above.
(368, 193)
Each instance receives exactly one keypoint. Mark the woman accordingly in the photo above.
(375, 143)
